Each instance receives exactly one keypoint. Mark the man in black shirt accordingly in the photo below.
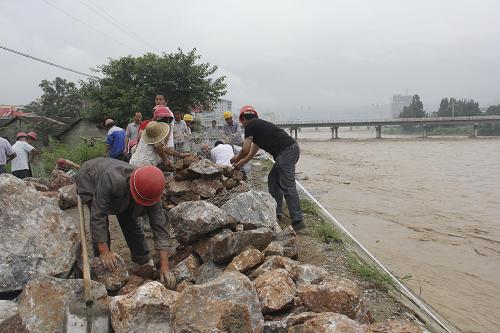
(285, 150)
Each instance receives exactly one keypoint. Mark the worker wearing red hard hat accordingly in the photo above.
(109, 186)
(23, 149)
(285, 150)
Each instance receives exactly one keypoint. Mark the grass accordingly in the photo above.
(309, 207)
(327, 233)
(368, 273)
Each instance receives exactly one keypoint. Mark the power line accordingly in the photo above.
(112, 20)
(89, 26)
(46, 62)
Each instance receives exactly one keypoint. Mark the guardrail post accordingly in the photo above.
(476, 127)
(378, 131)
(425, 131)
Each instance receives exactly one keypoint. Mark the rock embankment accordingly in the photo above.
(236, 269)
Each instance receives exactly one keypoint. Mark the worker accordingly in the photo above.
(109, 186)
(285, 150)
(180, 130)
(232, 129)
(188, 119)
(67, 166)
(6, 154)
(23, 149)
(115, 140)
(31, 136)
(132, 132)
(222, 153)
(151, 147)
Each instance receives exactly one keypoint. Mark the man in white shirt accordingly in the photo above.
(6, 154)
(22, 148)
(222, 153)
(132, 130)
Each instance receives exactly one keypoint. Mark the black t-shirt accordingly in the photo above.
(268, 136)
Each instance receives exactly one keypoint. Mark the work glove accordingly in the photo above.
(168, 279)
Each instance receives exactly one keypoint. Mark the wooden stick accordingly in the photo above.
(87, 287)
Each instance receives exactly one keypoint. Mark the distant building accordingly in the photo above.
(12, 111)
(398, 103)
(216, 113)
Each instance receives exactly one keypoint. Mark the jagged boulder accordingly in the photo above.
(253, 209)
(205, 168)
(67, 196)
(177, 188)
(209, 271)
(284, 244)
(333, 295)
(184, 163)
(328, 322)
(147, 309)
(226, 304)
(281, 325)
(10, 321)
(112, 280)
(134, 282)
(393, 326)
(50, 304)
(275, 289)
(37, 238)
(227, 245)
(195, 219)
(187, 269)
(207, 187)
(246, 260)
(58, 179)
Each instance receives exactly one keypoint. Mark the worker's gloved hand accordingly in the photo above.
(167, 278)
(109, 259)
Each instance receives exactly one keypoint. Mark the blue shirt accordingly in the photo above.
(116, 141)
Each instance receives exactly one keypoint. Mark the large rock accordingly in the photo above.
(147, 309)
(329, 322)
(184, 163)
(10, 321)
(50, 304)
(178, 188)
(37, 238)
(226, 304)
(246, 260)
(393, 326)
(209, 271)
(207, 187)
(226, 246)
(281, 325)
(284, 244)
(333, 295)
(206, 168)
(67, 196)
(58, 179)
(253, 209)
(276, 290)
(112, 280)
(187, 269)
(31, 182)
(134, 282)
(195, 219)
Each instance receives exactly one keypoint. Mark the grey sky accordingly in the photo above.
(283, 56)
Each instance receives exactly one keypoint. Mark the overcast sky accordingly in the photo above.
(282, 56)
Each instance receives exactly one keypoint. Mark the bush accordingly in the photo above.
(78, 154)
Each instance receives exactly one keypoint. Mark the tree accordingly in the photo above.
(130, 84)
(458, 108)
(493, 110)
(414, 110)
(444, 108)
(34, 107)
(61, 98)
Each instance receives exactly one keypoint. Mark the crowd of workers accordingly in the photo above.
(129, 182)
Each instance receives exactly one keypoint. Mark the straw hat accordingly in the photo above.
(155, 132)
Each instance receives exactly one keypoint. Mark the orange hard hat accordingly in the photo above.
(247, 109)
(162, 112)
(146, 185)
(32, 135)
(20, 135)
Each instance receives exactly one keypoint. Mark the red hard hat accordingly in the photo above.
(247, 109)
(20, 135)
(33, 135)
(146, 185)
(162, 112)
(61, 162)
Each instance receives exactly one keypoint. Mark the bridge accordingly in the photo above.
(423, 122)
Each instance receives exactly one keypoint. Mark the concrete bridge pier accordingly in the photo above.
(476, 128)
(291, 133)
(335, 132)
(425, 131)
(296, 133)
(378, 131)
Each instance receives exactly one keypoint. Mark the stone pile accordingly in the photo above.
(235, 270)
(59, 187)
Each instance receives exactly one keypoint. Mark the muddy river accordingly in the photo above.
(429, 208)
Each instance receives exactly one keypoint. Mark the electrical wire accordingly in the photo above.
(89, 26)
(46, 62)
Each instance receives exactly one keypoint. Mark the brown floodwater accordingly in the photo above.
(428, 208)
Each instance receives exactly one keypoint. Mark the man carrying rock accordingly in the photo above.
(285, 150)
(109, 186)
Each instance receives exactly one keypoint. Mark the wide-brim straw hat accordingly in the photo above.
(155, 132)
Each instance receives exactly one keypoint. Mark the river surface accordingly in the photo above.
(429, 208)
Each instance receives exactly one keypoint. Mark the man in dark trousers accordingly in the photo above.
(109, 186)
(285, 150)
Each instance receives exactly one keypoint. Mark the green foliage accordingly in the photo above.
(493, 110)
(60, 98)
(78, 154)
(368, 273)
(327, 233)
(309, 207)
(130, 84)
(458, 108)
(414, 110)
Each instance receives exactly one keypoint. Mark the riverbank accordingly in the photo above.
(426, 208)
